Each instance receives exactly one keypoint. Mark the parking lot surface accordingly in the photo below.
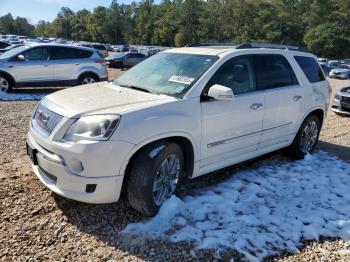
(37, 224)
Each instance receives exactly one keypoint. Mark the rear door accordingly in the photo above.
(67, 62)
(35, 68)
(283, 99)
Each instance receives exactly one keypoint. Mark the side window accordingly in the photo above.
(237, 74)
(3, 45)
(273, 71)
(62, 53)
(79, 53)
(311, 68)
(37, 53)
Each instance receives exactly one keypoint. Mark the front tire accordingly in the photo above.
(154, 176)
(306, 138)
(5, 84)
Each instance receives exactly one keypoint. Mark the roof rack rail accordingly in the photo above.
(209, 44)
(272, 46)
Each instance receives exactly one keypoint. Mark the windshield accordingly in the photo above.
(167, 73)
(13, 51)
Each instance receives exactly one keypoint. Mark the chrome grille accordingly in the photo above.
(46, 119)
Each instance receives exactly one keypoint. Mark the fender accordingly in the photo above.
(87, 69)
(318, 107)
(156, 138)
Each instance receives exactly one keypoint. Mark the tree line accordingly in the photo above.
(323, 26)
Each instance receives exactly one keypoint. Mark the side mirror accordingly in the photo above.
(219, 92)
(21, 57)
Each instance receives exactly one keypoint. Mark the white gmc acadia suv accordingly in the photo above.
(182, 113)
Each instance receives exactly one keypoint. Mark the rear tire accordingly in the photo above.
(87, 79)
(119, 65)
(154, 176)
(5, 84)
(306, 138)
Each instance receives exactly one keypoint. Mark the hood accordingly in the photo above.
(101, 98)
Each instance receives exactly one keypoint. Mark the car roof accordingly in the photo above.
(205, 50)
(223, 50)
(61, 45)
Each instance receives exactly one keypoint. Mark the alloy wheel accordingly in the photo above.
(309, 137)
(166, 179)
(4, 85)
(88, 80)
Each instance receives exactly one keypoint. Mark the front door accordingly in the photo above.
(231, 129)
(36, 66)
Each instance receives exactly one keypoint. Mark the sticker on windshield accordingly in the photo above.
(181, 79)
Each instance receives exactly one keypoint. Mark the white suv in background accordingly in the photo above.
(182, 113)
(50, 64)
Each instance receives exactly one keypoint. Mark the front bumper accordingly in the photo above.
(341, 107)
(341, 76)
(99, 179)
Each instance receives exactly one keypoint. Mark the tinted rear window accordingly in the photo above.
(311, 68)
(273, 71)
(99, 47)
(60, 53)
(3, 44)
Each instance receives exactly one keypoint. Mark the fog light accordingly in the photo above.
(75, 165)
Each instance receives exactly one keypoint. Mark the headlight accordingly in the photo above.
(95, 127)
(338, 97)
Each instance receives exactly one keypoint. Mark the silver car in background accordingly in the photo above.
(340, 72)
(99, 47)
(50, 65)
(341, 102)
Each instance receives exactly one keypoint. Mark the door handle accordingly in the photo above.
(10, 66)
(46, 65)
(256, 106)
(297, 98)
(77, 64)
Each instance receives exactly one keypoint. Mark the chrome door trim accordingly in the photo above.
(229, 140)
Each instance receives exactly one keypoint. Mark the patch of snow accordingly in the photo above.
(19, 96)
(156, 151)
(260, 212)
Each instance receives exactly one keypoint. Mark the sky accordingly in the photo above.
(36, 10)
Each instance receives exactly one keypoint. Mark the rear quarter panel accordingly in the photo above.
(316, 95)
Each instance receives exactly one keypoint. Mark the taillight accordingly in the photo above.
(101, 62)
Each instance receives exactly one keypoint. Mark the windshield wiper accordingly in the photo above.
(137, 88)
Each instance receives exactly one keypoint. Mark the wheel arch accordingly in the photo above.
(13, 81)
(318, 111)
(89, 73)
(186, 143)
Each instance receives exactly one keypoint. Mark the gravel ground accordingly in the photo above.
(36, 224)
